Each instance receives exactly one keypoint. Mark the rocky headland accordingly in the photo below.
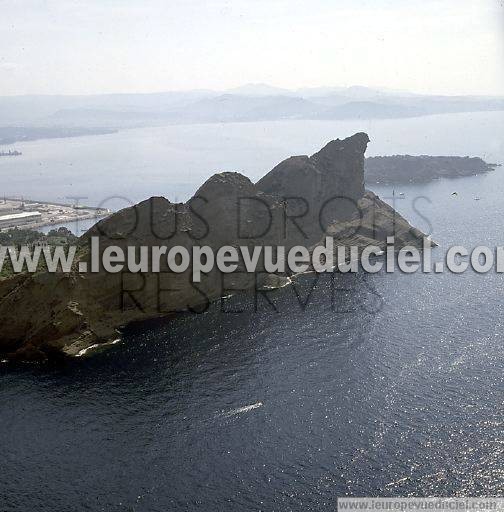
(402, 169)
(300, 202)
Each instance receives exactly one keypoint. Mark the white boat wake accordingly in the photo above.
(241, 410)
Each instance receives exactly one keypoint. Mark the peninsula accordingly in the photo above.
(50, 315)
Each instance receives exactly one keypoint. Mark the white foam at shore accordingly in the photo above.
(84, 351)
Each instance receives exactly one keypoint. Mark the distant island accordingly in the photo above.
(418, 169)
(13, 134)
(10, 153)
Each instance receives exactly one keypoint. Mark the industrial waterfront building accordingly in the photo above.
(19, 219)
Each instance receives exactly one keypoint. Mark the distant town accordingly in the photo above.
(10, 153)
(15, 213)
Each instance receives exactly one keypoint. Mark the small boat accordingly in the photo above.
(454, 193)
(477, 198)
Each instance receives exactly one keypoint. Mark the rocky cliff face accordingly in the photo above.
(297, 203)
(321, 189)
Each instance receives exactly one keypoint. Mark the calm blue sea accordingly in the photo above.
(365, 385)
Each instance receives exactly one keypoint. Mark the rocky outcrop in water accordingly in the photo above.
(300, 201)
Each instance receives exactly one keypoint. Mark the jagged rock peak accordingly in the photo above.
(337, 149)
(337, 170)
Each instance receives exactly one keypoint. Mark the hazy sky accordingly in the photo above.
(93, 46)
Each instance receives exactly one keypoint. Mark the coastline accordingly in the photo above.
(52, 213)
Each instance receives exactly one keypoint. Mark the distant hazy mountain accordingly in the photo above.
(369, 110)
(355, 92)
(251, 102)
(260, 90)
(42, 110)
(231, 107)
(208, 107)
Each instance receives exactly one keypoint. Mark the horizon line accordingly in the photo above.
(236, 89)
